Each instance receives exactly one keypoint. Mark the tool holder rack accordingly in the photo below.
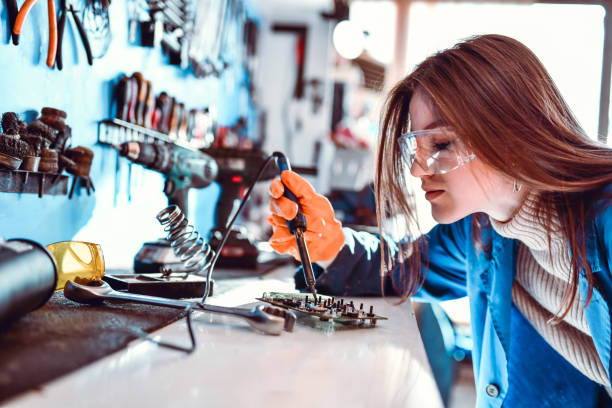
(113, 132)
(33, 182)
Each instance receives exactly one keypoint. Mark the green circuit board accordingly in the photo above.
(326, 308)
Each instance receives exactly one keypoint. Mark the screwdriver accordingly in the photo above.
(297, 227)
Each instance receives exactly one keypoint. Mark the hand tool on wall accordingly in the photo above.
(166, 104)
(269, 320)
(104, 4)
(96, 22)
(161, 107)
(175, 120)
(207, 32)
(65, 7)
(140, 98)
(182, 128)
(220, 37)
(297, 226)
(149, 106)
(21, 17)
(123, 96)
(54, 119)
(12, 9)
(183, 168)
(133, 101)
(82, 157)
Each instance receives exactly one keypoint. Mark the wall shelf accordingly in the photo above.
(33, 182)
(114, 131)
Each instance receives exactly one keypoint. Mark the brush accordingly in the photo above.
(12, 151)
(38, 128)
(10, 123)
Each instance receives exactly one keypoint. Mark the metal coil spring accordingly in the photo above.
(192, 250)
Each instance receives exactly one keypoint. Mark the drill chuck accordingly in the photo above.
(156, 157)
(183, 168)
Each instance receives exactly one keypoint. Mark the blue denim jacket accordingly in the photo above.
(458, 269)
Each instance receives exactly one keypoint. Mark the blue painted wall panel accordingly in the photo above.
(108, 216)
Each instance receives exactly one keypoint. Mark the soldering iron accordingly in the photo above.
(185, 168)
(297, 226)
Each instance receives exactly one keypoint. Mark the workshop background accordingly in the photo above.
(298, 126)
(304, 85)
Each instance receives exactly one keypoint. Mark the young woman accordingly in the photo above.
(523, 199)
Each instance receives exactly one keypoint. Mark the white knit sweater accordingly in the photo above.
(542, 277)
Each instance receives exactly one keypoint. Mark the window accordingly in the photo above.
(567, 38)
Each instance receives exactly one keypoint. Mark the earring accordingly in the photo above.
(516, 187)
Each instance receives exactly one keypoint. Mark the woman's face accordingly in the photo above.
(471, 188)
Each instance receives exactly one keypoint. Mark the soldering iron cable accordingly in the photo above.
(229, 225)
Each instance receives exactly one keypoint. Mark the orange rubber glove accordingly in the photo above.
(324, 236)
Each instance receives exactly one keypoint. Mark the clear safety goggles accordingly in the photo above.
(437, 151)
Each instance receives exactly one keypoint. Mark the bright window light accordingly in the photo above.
(377, 18)
(567, 38)
(348, 39)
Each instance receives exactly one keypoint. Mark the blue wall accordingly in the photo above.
(107, 217)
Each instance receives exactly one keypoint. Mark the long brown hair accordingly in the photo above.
(495, 92)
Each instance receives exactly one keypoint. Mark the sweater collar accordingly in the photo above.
(525, 226)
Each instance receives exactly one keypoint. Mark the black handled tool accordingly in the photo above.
(11, 6)
(64, 10)
(297, 227)
(22, 14)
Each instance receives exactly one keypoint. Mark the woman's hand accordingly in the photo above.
(324, 236)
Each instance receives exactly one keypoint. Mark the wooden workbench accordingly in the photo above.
(233, 366)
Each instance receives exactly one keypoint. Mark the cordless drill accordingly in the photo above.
(183, 168)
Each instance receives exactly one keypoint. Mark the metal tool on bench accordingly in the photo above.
(269, 320)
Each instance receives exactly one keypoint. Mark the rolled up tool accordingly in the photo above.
(297, 226)
(28, 277)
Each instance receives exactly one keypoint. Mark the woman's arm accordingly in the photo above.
(603, 227)
(356, 269)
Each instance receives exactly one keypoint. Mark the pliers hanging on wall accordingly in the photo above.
(20, 19)
(65, 7)
(12, 9)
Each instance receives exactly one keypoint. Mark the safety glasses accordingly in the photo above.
(77, 261)
(437, 151)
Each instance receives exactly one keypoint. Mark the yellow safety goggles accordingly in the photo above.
(77, 261)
